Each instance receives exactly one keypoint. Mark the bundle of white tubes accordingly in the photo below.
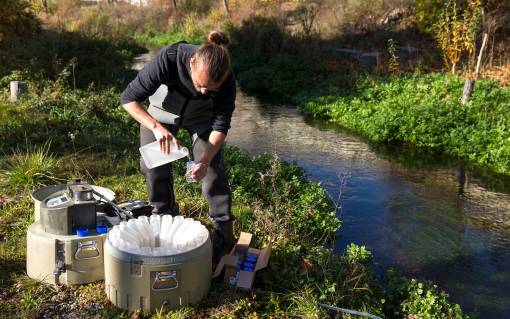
(158, 236)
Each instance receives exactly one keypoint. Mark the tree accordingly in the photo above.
(225, 5)
(17, 18)
(456, 31)
(174, 6)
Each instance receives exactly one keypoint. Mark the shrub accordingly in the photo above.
(456, 30)
(17, 19)
(417, 299)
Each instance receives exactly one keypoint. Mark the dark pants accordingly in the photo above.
(215, 188)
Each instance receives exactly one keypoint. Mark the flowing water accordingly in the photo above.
(426, 214)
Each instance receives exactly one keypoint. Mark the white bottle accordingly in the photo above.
(144, 222)
(166, 223)
(153, 157)
(178, 235)
(138, 232)
(155, 222)
(169, 239)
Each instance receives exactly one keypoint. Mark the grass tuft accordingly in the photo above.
(31, 168)
(303, 304)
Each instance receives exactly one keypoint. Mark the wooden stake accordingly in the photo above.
(484, 43)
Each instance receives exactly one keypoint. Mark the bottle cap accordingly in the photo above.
(82, 232)
(101, 229)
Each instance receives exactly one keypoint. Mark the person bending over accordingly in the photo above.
(202, 92)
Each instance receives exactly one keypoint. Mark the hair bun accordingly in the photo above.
(218, 38)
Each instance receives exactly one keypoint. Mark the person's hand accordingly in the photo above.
(165, 138)
(199, 171)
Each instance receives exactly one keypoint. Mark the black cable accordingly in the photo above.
(119, 211)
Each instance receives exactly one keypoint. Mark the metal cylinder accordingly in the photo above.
(81, 193)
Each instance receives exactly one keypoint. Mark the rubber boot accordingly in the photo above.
(223, 239)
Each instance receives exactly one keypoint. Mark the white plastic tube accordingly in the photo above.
(178, 220)
(166, 223)
(155, 222)
(129, 239)
(138, 232)
(178, 235)
(145, 227)
(189, 234)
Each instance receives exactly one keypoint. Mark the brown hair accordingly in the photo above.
(214, 56)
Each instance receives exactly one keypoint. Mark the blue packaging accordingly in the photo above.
(251, 256)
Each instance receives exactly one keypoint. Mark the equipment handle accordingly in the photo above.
(163, 279)
(87, 246)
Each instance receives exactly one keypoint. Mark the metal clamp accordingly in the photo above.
(163, 279)
(87, 246)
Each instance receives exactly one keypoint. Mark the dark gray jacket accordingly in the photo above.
(171, 67)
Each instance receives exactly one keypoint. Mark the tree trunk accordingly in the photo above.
(174, 6)
(468, 89)
(225, 5)
(470, 83)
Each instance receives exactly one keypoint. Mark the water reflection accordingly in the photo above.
(427, 214)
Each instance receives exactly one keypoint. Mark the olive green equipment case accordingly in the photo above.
(55, 253)
(149, 283)
(64, 259)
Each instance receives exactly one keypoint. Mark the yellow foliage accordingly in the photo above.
(456, 31)
(216, 17)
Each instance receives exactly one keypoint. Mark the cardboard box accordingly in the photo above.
(235, 276)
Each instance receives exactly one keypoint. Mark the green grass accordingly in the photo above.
(159, 40)
(30, 169)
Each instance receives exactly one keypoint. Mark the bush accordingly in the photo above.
(428, 13)
(425, 111)
(17, 19)
(411, 298)
(81, 60)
